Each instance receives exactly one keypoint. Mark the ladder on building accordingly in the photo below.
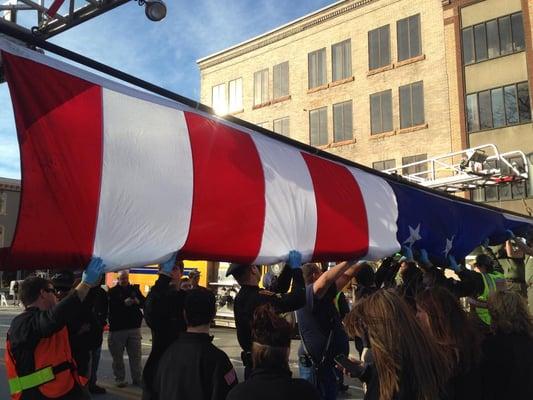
(467, 169)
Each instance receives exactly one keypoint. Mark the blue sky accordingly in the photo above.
(163, 53)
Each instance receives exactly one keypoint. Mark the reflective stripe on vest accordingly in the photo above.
(490, 285)
(20, 383)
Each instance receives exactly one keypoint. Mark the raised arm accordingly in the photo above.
(328, 278)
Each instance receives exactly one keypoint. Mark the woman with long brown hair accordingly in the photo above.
(507, 365)
(271, 376)
(407, 363)
(442, 316)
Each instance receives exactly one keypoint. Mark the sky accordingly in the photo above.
(163, 53)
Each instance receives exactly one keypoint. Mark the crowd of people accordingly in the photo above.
(420, 331)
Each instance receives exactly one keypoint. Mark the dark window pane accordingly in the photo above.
(323, 127)
(348, 120)
(375, 113)
(524, 105)
(518, 190)
(506, 43)
(518, 32)
(498, 110)
(388, 164)
(478, 194)
(493, 38)
(472, 113)
(468, 46)
(317, 68)
(341, 60)
(481, 42)
(402, 27)
(505, 192)
(386, 107)
(418, 103)
(313, 127)
(322, 67)
(338, 133)
(405, 107)
(282, 126)
(384, 45)
(485, 110)
(281, 79)
(511, 105)
(373, 49)
(415, 47)
(491, 193)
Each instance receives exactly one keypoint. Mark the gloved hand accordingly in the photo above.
(453, 264)
(408, 253)
(168, 266)
(485, 243)
(424, 259)
(295, 259)
(510, 234)
(91, 274)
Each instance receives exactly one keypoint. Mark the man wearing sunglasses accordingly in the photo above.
(38, 356)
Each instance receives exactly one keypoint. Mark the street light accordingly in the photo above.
(155, 10)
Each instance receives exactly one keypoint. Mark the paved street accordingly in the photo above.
(225, 339)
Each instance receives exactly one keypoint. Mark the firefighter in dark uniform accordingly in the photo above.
(192, 367)
(250, 297)
(38, 356)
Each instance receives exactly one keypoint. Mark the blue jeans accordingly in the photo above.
(324, 379)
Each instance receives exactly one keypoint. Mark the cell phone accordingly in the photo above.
(354, 369)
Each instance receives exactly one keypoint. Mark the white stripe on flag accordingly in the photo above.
(291, 216)
(147, 182)
(382, 214)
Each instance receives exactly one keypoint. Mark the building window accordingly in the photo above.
(384, 165)
(281, 80)
(381, 112)
(494, 38)
(261, 87)
(341, 54)
(281, 126)
(379, 47)
(219, 102)
(3, 203)
(317, 68)
(498, 107)
(342, 121)
(409, 40)
(263, 124)
(318, 126)
(235, 95)
(412, 105)
(416, 170)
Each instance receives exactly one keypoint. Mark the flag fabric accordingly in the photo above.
(115, 172)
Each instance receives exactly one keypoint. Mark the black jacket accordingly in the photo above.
(251, 297)
(192, 368)
(163, 312)
(270, 384)
(122, 316)
(28, 328)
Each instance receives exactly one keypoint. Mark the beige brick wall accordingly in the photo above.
(436, 139)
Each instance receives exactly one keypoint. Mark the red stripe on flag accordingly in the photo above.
(59, 125)
(228, 209)
(342, 225)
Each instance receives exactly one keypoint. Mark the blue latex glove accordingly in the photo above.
(91, 274)
(408, 253)
(424, 259)
(510, 234)
(168, 265)
(453, 264)
(295, 259)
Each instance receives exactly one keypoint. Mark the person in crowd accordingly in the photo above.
(365, 283)
(194, 277)
(387, 271)
(185, 283)
(192, 367)
(125, 317)
(527, 250)
(343, 308)
(507, 365)
(442, 316)
(408, 280)
(250, 297)
(38, 356)
(406, 362)
(98, 303)
(271, 377)
(321, 331)
(163, 312)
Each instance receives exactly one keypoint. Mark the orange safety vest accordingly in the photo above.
(55, 372)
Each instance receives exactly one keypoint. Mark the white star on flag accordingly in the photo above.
(414, 235)
(449, 246)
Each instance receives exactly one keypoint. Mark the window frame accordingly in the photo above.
(409, 47)
(223, 110)
(347, 134)
(240, 104)
(410, 87)
(282, 120)
(324, 75)
(264, 96)
(381, 94)
(346, 51)
(275, 77)
(376, 164)
(380, 63)
(325, 120)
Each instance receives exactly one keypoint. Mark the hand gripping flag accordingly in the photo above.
(115, 172)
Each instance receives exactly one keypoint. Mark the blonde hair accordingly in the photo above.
(399, 344)
(509, 313)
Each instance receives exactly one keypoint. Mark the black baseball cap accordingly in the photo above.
(236, 269)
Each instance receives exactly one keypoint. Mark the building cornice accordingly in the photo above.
(279, 34)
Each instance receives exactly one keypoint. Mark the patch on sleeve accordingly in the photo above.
(230, 377)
